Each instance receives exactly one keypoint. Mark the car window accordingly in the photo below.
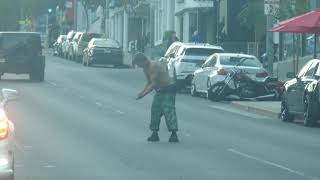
(201, 51)
(16, 41)
(210, 62)
(86, 37)
(312, 70)
(304, 69)
(106, 43)
(241, 61)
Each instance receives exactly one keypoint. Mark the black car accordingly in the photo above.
(301, 94)
(103, 51)
(21, 53)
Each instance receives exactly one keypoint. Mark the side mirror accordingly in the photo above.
(9, 94)
(291, 75)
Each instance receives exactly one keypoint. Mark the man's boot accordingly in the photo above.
(174, 138)
(154, 137)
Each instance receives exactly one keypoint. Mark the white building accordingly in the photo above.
(95, 19)
(192, 15)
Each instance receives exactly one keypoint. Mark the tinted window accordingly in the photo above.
(241, 61)
(201, 51)
(304, 69)
(311, 71)
(86, 37)
(17, 41)
(107, 43)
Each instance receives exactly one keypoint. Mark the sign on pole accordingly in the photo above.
(271, 7)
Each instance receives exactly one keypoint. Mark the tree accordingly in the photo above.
(90, 5)
(9, 15)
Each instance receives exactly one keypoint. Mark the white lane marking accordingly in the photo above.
(269, 163)
(120, 112)
(99, 104)
(52, 83)
(17, 145)
(237, 111)
(49, 166)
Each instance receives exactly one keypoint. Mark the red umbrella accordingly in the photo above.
(308, 23)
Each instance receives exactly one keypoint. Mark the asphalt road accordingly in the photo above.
(84, 123)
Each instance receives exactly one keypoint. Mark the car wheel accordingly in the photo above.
(285, 115)
(215, 92)
(193, 90)
(38, 72)
(309, 111)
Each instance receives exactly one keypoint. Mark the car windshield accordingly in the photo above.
(241, 61)
(86, 37)
(201, 51)
(14, 41)
(106, 43)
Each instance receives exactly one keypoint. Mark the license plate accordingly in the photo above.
(2, 60)
(107, 51)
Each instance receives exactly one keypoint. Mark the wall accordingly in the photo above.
(187, 4)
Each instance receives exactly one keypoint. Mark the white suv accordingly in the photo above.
(184, 58)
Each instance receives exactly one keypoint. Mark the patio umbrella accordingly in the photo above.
(308, 23)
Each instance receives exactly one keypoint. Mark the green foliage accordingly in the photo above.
(9, 15)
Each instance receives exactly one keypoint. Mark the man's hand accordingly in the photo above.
(140, 96)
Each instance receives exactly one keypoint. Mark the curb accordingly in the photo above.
(256, 110)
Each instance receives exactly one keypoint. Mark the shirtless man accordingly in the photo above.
(163, 103)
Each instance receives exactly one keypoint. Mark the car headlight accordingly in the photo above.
(4, 126)
(4, 162)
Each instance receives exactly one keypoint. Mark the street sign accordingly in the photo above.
(271, 7)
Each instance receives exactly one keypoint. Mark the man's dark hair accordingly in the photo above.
(139, 58)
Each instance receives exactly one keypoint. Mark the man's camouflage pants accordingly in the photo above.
(164, 104)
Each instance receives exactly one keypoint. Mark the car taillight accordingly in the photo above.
(4, 126)
(262, 74)
(222, 71)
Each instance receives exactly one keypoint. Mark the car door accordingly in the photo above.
(305, 80)
(296, 91)
(199, 75)
(206, 72)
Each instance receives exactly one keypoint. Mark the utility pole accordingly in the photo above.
(215, 20)
(270, 46)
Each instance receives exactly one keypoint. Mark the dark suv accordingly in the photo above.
(301, 94)
(21, 53)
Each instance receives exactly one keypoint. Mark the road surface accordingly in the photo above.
(84, 123)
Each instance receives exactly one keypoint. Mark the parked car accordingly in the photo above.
(103, 51)
(21, 53)
(71, 47)
(217, 66)
(57, 46)
(301, 94)
(81, 42)
(6, 137)
(68, 43)
(184, 58)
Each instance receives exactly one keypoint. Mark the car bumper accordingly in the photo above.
(106, 59)
(6, 165)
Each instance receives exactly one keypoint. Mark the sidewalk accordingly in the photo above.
(265, 108)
